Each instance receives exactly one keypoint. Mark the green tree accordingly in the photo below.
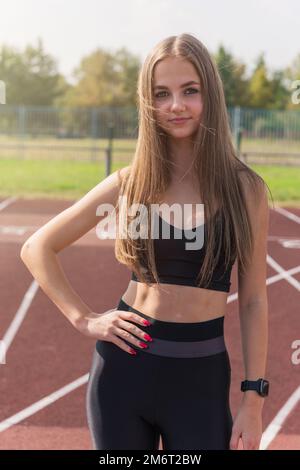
(260, 86)
(31, 77)
(280, 93)
(105, 79)
(232, 72)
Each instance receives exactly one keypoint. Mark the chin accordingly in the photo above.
(181, 135)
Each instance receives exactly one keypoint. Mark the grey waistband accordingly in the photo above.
(203, 348)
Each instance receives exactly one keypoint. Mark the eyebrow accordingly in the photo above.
(192, 82)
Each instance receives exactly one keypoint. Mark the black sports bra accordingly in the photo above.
(177, 265)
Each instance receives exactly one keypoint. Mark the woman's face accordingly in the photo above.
(173, 100)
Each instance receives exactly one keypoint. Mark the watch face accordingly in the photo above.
(265, 387)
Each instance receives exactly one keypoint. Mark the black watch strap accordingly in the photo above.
(261, 386)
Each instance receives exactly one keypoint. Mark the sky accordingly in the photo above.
(71, 29)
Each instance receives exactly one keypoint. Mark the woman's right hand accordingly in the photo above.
(113, 325)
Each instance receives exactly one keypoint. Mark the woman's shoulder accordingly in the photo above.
(123, 174)
(125, 171)
(252, 184)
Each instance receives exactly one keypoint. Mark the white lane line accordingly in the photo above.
(7, 202)
(39, 405)
(18, 319)
(17, 229)
(275, 238)
(286, 242)
(13, 229)
(284, 273)
(275, 426)
(288, 214)
(82, 380)
(270, 280)
(269, 436)
(291, 244)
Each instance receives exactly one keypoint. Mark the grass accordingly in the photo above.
(270, 144)
(73, 179)
(284, 183)
(263, 144)
(49, 179)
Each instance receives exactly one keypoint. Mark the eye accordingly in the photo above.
(158, 95)
(193, 89)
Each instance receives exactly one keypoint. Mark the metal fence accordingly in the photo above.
(91, 134)
(267, 136)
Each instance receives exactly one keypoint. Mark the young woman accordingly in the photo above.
(160, 365)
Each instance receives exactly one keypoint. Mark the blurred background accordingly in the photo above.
(70, 74)
(68, 118)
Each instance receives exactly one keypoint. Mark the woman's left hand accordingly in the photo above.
(247, 425)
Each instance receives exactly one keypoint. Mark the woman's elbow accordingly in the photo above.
(29, 250)
(24, 250)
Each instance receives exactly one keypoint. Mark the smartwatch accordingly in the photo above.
(261, 386)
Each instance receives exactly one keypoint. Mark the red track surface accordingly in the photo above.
(47, 353)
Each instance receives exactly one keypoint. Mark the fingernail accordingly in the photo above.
(146, 322)
(132, 351)
(147, 337)
(143, 345)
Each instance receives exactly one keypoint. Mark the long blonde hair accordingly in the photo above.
(217, 167)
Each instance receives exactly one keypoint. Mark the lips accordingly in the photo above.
(179, 119)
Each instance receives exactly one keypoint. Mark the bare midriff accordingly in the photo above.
(170, 302)
(177, 303)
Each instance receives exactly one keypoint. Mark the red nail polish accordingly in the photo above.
(143, 345)
(132, 351)
(148, 338)
(146, 322)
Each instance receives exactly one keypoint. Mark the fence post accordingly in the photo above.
(237, 129)
(21, 122)
(94, 134)
(239, 140)
(236, 122)
(109, 148)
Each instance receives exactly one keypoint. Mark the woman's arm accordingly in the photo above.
(39, 252)
(253, 314)
(45, 267)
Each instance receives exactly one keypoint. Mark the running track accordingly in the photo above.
(44, 373)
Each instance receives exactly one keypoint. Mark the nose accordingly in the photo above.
(177, 104)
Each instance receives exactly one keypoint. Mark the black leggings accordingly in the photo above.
(177, 389)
